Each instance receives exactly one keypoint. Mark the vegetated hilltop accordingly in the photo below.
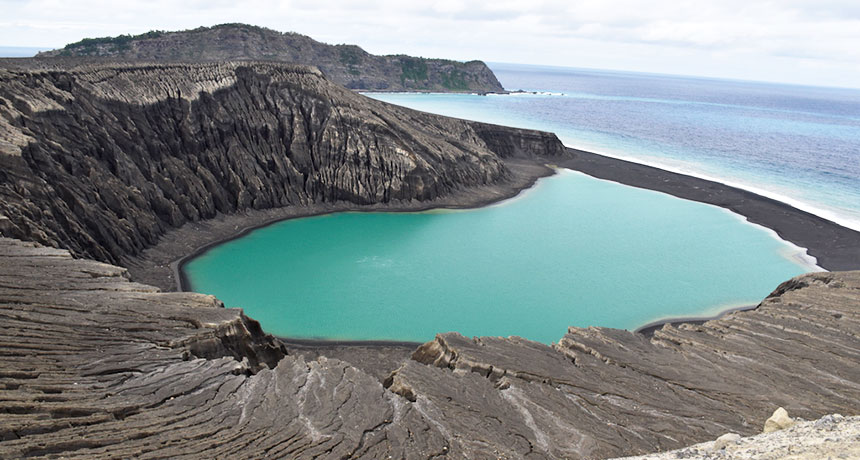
(830, 437)
(348, 65)
(103, 158)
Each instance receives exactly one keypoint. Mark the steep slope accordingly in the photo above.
(347, 65)
(103, 158)
(95, 366)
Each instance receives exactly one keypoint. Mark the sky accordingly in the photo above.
(790, 41)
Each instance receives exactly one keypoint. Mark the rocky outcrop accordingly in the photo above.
(778, 421)
(102, 159)
(95, 366)
(347, 65)
(520, 143)
(830, 437)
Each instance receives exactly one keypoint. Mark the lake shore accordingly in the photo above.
(650, 328)
(161, 265)
(835, 247)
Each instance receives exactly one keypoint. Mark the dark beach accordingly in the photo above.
(834, 246)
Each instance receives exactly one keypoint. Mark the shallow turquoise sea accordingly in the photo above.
(571, 251)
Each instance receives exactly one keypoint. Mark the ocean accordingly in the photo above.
(797, 144)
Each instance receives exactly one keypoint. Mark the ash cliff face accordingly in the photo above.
(95, 366)
(102, 159)
(347, 65)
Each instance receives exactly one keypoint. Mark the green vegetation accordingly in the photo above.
(119, 43)
(350, 54)
(264, 32)
(349, 62)
(90, 46)
(414, 69)
(455, 80)
(234, 25)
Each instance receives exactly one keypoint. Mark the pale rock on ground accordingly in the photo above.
(95, 366)
(778, 421)
(726, 440)
(830, 437)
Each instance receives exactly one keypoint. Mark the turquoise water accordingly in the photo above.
(571, 251)
(796, 144)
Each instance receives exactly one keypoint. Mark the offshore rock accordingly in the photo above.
(102, 159)
(96, 366)
(347, 65)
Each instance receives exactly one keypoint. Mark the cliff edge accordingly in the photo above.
(104, 158)
(95, 366)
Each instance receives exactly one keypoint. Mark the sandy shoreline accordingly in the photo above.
(835, 247)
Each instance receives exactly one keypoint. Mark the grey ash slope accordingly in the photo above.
(348, 65)
(102, 159)
(95, 366)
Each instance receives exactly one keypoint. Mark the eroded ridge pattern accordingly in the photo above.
(103, 158)
(96, 366)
